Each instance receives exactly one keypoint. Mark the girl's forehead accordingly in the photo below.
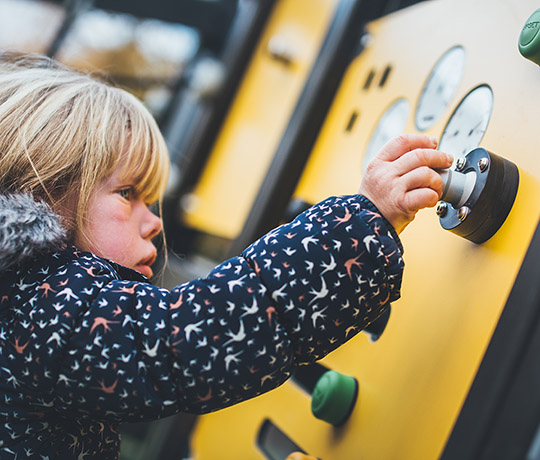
(131, 162)
(123, 175)
(120, 174)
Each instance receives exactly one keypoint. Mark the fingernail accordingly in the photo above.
(434, 140)
(450, 158)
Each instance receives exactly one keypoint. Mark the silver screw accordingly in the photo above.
(441, 209)
(483, 164)
(463, 212)
(460, 163)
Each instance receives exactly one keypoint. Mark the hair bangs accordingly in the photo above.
(145, 156)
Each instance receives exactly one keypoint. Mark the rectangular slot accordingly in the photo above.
(352, 121)
(274, 443)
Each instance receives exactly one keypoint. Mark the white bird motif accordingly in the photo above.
(279, 293)
(238, 337)
(330, 266)
(68, 293)
(152, 352)
(202, 343)
(231, 307)
(250, 310)
(368, 240)
(237, 282)
(319, 294)
(289, 251)
(318, 314)
(307, 240)
(58, 306)
(233, 357)
(55, 337)
(192, 328)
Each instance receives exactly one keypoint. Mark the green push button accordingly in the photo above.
(333, 397)
(529, 39)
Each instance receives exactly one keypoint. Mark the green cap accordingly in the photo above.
(529, 38)
(334, 397)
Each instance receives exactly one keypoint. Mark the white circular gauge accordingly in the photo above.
(467, 125)
(440, 88)
(391, 124)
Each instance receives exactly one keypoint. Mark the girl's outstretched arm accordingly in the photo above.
(292, 297)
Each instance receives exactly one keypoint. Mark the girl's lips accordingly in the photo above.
(145, 270)
(144, 266)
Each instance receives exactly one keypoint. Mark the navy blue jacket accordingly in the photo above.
(86, 344)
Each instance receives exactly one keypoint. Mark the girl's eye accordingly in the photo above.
(126, 193)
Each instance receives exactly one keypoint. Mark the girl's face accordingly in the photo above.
(120, 226)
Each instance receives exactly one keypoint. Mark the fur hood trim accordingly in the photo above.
(28, 228)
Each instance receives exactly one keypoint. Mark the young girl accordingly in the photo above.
(86, 342)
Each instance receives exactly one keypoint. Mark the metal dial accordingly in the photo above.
(391, 123)
(467, 125)
(440, 88)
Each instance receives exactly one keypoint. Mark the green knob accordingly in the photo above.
(334, 397)
(529, 39)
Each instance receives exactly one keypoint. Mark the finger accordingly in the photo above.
(420, 198)
(400, 145)
(295, 456)
(422, 157)
(300, 456)
(423, 177)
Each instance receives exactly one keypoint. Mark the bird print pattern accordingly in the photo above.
(86, 345)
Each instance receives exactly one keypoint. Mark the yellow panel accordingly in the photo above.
(258, 117)
(414, 379)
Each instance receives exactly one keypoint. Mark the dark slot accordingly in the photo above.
(352, 121)
(385, 75)
(274, 443)
(369, 79)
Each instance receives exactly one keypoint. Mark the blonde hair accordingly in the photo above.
(62, 131)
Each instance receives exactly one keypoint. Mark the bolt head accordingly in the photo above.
(441, 208)
(463, 212)
(483, 164)
(460, 163)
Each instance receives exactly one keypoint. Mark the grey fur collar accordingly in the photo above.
(27, 228)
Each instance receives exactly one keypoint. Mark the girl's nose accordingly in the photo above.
(151, 224)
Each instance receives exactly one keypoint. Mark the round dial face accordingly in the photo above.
(467, 125)
(440, 88)
(391, 124)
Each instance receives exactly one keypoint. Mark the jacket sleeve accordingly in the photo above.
(290, 298)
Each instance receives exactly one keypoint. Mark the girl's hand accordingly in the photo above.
(401, 179)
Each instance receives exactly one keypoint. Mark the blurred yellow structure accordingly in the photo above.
(258, 116)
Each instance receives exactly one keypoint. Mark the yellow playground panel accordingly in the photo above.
(450, 69)
(258, 116)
